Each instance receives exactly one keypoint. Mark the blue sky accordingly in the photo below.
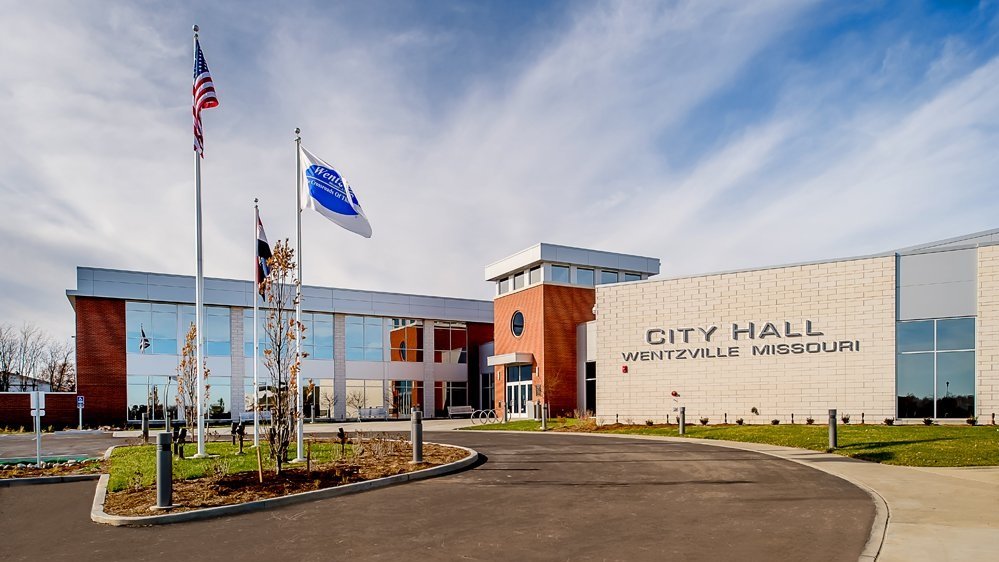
(712, 135)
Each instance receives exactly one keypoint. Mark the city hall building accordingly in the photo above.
(906, 334)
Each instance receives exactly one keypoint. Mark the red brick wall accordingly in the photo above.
(100, 360)
(15, 411)
(551, 313)
(564, 309)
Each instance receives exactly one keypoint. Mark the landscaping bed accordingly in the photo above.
(232, 479)
(906, 445)
(56, 468)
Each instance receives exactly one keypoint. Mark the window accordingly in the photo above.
(450, 340)
(517, 323)
(217, 333)
(447, 394)
(515, 373)
(406, 340)
(535, 276)
(607, 277)
(632, 277)
(318, 342)
(159, 324)
(364, 338)
(365, 394)
(404, 396)
(504, 286)
(487, 398)
(584, 277)
(518, 281)
(149, 395)
(935, 375)
(248, 332)
(560, 273)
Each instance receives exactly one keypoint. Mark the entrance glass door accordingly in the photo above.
(519, 390)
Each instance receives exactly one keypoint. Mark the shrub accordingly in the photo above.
(927, 421)
(704, 421)
(809, 420)
(649, 423)
(739, 421)
(754, 410)
(889, 421)
(774, 422)
(845, 418)
(972, 420)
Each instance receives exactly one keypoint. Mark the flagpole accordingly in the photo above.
(199, 293)
(300, 445)
(256, 345)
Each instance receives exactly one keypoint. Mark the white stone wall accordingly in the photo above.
(851, 300)
(987, 353)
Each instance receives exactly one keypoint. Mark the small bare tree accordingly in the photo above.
(8, 349)
(328, 397)
(31, 344)
(355, 401)
(281, 358)
(187, 380)
(58, 368)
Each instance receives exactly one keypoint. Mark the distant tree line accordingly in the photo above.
(29, 357)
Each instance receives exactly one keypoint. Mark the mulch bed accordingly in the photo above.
(245, 487)
(87, 467)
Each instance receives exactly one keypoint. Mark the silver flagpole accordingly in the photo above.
(199, 294)
(300, 445)
(256, 296)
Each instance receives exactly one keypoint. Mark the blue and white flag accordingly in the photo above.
(326, 191)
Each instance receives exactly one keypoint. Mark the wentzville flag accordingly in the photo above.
(327, 192)
(263, 254)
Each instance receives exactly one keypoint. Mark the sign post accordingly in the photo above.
(37, 411)
(79, 408)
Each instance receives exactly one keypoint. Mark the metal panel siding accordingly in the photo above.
(937, 285)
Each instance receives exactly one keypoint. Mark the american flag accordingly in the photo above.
(204, 95)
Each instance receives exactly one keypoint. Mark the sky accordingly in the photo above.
(711, 135)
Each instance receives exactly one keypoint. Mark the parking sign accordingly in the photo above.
(79, 402)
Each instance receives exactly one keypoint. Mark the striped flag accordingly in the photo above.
(263, 254)
(204, 95)
(143, 341)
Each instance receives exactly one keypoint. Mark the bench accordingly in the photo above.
(372, 413)
(459, 411)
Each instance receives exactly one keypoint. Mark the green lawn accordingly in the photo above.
(136, 466)
(908, 445)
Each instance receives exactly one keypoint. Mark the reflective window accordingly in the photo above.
(956, 333)
(518, 281)
(936, 368)
(632, 277)
(584, 277)
(607, 276)
(450, 342)
(364, 338)
(406, 340)
(448, 394)
(248, 332)
(515, 373)
(156, 322)
(150, 395)
(535, 276)
(217, 332)
(318, 342)
(364, 396)
(487, 398)
(504, 286)
(560, 273)
(517, 323)
(403, 397)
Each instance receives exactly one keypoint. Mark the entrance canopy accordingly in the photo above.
(510, 359)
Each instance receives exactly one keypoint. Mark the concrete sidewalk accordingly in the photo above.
(377, 426)
(933, 513)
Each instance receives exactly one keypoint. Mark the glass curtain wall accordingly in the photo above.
(450, 342)
(405, 340)
(935, 375)
(364, 338)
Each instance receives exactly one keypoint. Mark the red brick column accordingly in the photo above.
(100, 360)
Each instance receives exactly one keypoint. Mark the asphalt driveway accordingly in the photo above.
(536, 497)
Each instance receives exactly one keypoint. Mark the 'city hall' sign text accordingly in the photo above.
(766, 340)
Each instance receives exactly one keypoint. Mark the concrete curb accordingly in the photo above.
(10, 482)
(879, 529)
(98, 515)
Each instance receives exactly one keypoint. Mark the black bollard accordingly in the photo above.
(416, 436)
(145, 428)
(832, 429)
(683, 420)
(164, 472)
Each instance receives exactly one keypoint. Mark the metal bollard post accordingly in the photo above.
(544, 417)
(416, 435)
(832, 429)
(683, 420)
(145, 427)
(164, 472)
